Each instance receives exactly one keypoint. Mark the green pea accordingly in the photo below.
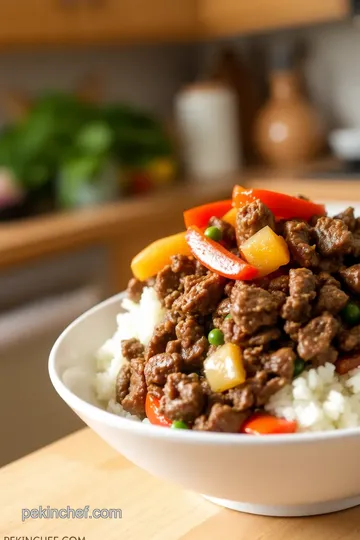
(299, 366)
(216, 337)
(228, 316)
(351, 313)
(179, 424)
(213, 233)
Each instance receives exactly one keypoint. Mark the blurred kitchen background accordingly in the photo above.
(116, 116)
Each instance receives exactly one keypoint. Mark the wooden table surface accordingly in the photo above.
(82, 470)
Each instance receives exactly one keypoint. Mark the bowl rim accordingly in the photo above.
(102, 416)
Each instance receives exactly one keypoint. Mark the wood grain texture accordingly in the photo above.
(82, 470)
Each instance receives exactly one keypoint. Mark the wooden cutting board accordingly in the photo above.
(82, 470)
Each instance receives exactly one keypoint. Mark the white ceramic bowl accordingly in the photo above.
(279, 475)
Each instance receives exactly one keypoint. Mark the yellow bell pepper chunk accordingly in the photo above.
(155, 256)
(266, 251)
(230, 217)
(224, 368)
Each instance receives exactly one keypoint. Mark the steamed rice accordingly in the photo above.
(318, 399)
(138, 321)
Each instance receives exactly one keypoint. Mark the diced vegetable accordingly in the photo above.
(299, 366)
(351, 313)
(200, 215)
(266, 251)
(230, 217)
(228, 316)
(213, 233)
(283, 206)
(224, 368)
(216, 337)
(154, 257)
(152, 410)
(264, 424)
(179, 424)
(218, 259)
(347, 363)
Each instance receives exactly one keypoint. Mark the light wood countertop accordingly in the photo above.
(82, 470)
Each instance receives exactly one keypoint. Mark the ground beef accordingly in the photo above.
(332, 237)
(232, 332)
(262, 337)
(134, 289)
(329, 356)
(227, 231)
(253, 359)
(168, 284)
(298, 237)
(221, 312)
(292, 329)
(158, 367)
(279, 284)
(163, 333)
(348, 218)
(132, 348)
(281, 363)
(315, 338)
(222, 418)
(324, 278)
(330, 298)
(250, 219)
(302, 285)
(123, 382)
(252, 308)
(133, 401)
(242, 397)
(349, 340)
(351, 278)
(201, 294)
(264, 387)
(183, 397)
(188, 330)
(331, 264)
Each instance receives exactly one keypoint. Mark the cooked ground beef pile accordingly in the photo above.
(291, 314)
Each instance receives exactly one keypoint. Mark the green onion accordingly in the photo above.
(216, 337)
(213, 233)
(179, 424)
(228, 316)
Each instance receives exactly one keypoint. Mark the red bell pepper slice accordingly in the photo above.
(218, 259)
(153, 413)
(265, 424)
(200, 215)
(283, 206)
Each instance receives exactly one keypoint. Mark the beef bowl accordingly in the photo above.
(95, 367)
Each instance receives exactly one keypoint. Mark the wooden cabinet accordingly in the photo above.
(28, 22)
(222, 17)
(39, 22)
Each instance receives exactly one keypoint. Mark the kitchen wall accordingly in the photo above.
(332, 66)
(144, 75)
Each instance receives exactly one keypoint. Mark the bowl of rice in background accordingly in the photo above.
(307, 473)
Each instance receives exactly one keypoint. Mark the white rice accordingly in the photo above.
(138, 321)
(319, 399)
